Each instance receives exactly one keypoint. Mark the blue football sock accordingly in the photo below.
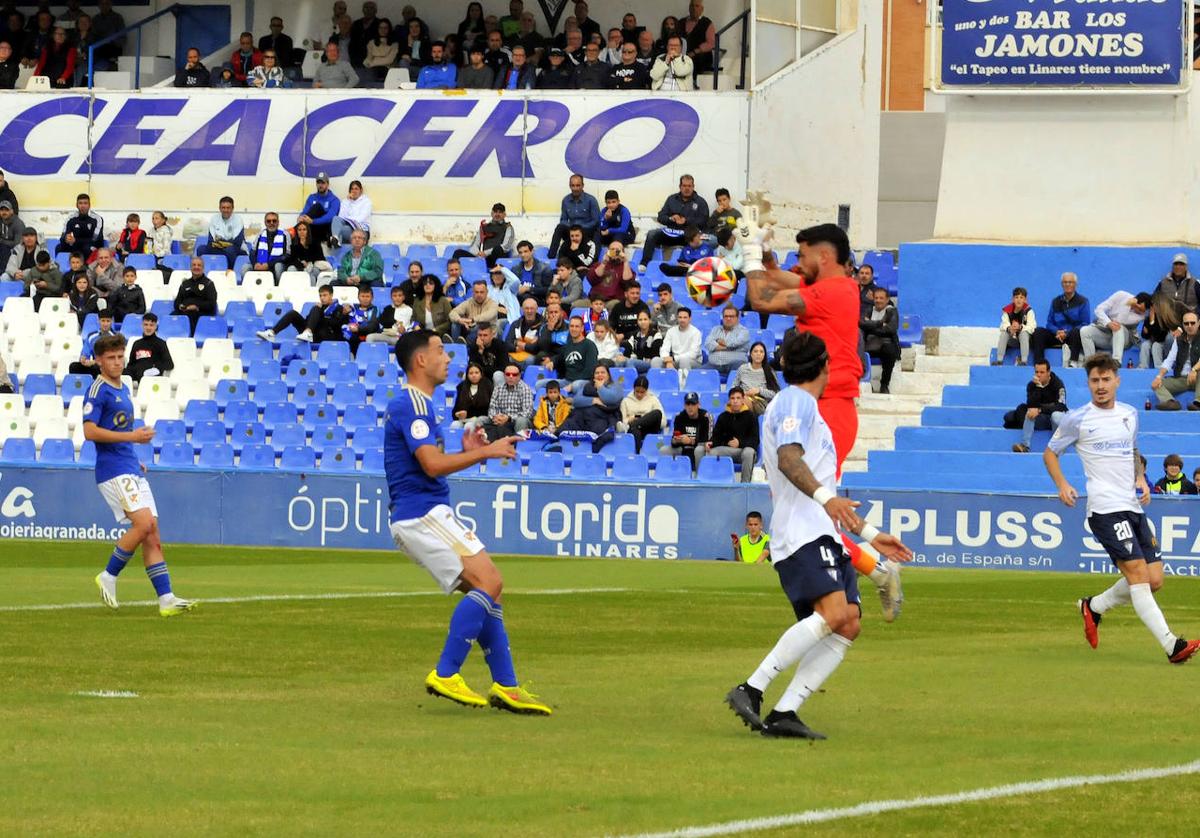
(494, 642)
(465, 624)
(161, 579)
(117, 561)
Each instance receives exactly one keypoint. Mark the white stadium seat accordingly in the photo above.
(346, 294)
(44, 407)
(257, 278)
(155, 389)
(55, 428)
(160, 410)
(181, 349)
(26, 333)
(13, 426)
(189, 369)
(227, 368)
(11, 404)
(215, 350)
(75, 413)
(39, 364)
(17, 308)
(192, 391)
(293, 279)
(52, 306)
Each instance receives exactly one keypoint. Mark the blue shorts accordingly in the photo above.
(818, 568)
(1125, 536)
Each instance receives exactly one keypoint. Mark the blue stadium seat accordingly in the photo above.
(337, 459)
(213, 261)
(57, 452)
(63, 260)
(652, 442)
(366, 438)
(298, 371)
(75, 385)
(240, 310)
(588, 466)
(675, 469)
(240, 411)
(340, 372)
(18, 451)
(38, 384)
(176, 455)
(11, 288)
(273, 312)
(424, 252)
(911, 331)
(370, 354)
(219, 455)
(387, 251)
(247, 433)
(349, 395)
(452, 439)
(546, 464)
(623, 444)
(208, 433)
(287, 434)
(311, 392)
(159, 308)
(662, 380)
(256, 350)
(257, 455)
(372, 460)
(245, 330)
(631, 467)
(211, 327)
(332, 350)
(279, 413)
(387, 373)
(92, 322)
(200, 410)
(131, 326)
(457, 352)
(715, 470)
(327, 436)
(297, 457)
(173, 326)
(241, 264)
(384, 392)
(503, 468)
(258, 372)
(230, 390)
(270, 391)
(358, 415)
(87, 455)
(672, 402)
(319, 413)
(179, 261)
(703, 381)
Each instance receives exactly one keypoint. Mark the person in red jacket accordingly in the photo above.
(57, 60)
(245, 58)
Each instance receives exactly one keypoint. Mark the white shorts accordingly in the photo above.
(438, 542)
(127, 493)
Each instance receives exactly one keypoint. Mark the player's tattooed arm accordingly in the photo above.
(793, 467)
(768, 297)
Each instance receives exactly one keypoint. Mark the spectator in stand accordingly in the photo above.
(735, 435)
(437, 74)
(471, 29)
(1114, 323)
(129, 298)
(245, 58)
(487, 350)
(305, 252)
(107, 22)
(630, 31)
(552, 411)
(642, 347)
(6, 194)
(86, 365)
(681, 346)
(226, 233)
(641, 413)
(534, 275)
(672, 70)
(476, 75)
(493, 240)
(1017, 322)
(160, 241)
(690, 430)
(701, 36)
(268, 74)
(472, 398)
(277, 43)
(430, 309)
(83, 231)
(680, 211)
(498, 56)
(363, 30)
(361, 264)
(520, 75)
(340, 37)
(598, 310)
(45, 280)
(665, 308)
(610, 276)
(271, 248)
(133, 238)
(511, 407)
(578, 247)
(197, 296)
(510, 24)
(105, 272)
(77, 266)
(224, 79)
(467, 316)
(607, 347)
(149, 356)
(1178, 371)
(866, 293)
(1173, 482)
(1159, 329)
(193, 73)
(587, 26)
(334, 74)
(595, 406)
(1044, 408)
(320, 209)
(616, 223)
(81, 41)
(610, 54)
(645, 50)
(591, 73)
(554, 336)
(724, 217)
(573, 47)
(503, 289)
(323, 323)
(623, 317)
(728, 342)
(576, 359)
(558, 74)
(339, 9)
(567, 284)
(395, 320)
(39, 37)
(11, 230)
(881, 336)
(362, 319)
(10, 65)
(82, 298)
(408, 14)
(522, 338)
(579, 208)
(628, 73)
(1180, 284)
(456, 288)
(757, 379)
(354, 213)
(529, 38)
(23, 257)
(1069, 312)
(695, 248)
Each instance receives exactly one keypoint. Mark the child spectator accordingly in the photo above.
(616, 223)
(160, 242)
(552, 410)
(641, 413)
(598, 310)
(129, 298)
(474, 394)
(133, 239)
(82, 297)
(753, 547)
(394, 321)
(44, 280)
(86, 365)
(642, 347)
(1017, 323)
(1173, 482)
(694, 249)
(606, 345)
(724, 218)
(362, 319)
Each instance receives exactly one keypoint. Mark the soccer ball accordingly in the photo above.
(711, 282)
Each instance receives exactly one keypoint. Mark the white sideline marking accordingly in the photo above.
(146, 603)
(880, 806)
(106, 694)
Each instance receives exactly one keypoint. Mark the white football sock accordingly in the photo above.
(795, 643)
(814, 670)
(1147, 609)
(1115, 596)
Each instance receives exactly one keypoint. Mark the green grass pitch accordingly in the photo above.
(308, 716)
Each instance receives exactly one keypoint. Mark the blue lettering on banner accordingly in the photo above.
(123, 131)
(413, 132)
(15, 158)
(296, 155)
(1039, 43)
(680, 124)
(493, 137)
(248, 116)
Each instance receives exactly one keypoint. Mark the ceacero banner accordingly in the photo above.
(1064, 43)
(416, 152)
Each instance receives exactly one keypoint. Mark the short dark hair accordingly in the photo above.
(82, 196)
(754, 514)
(682, 309)
(42, 258)
(29, 231)
(573, 228)
(722, 193)
(736, 388)
(804, 357)
(524, 243)
(690, 232)
(105, 315)
(441, 44)
(1042, 363)
(108, 343)
(682, 178)
(565, 262)
(482, 282)
(149, 317)
(612, 195)
(1103, 363)
(1021, 291)
(498, 207)
(633, 283)
(641, 381)
(830, 234)
(552, 384)
(1143, 298)
(129, 270)
(325, 287)
(409, 344)
(225, 198)
(575, 317)
(417, 262)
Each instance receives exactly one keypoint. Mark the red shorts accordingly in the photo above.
(841, 416)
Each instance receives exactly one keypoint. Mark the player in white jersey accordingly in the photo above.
(1104, 433)
(807, 552)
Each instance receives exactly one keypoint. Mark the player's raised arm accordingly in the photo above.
(769, 290)
(438, 463)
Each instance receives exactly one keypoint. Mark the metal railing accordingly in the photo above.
(137, 27)
(744, 20)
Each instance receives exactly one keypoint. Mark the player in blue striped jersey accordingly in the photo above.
(424, 526)
(108, 422)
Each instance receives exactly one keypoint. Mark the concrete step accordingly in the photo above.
(854, 465)
(973, 341)
(926, 383)
(944, 363)
(896, 403)
(883, 425)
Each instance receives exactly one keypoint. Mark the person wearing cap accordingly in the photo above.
(691, 430)
(23, 256)
(43, 280)
(320, 208)
(558, 73)
(83, 231)
(1180, 285)
(503, 290)
(1113, 327)
(6, 194)
(476, 75)
(493, 240)
(11, 228)
(86, 365)
(438, 74)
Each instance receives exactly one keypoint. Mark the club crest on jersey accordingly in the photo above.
(790, 423)
(120, 419)
(87, 408)
(419, 429)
